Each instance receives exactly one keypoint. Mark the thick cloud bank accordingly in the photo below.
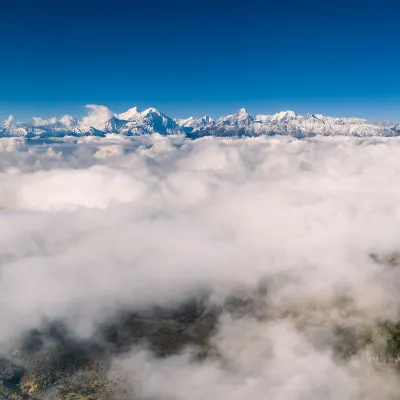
(111, 224)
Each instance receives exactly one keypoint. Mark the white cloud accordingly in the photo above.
(8, 121)
(97, 115)
(113, 223)
(259, 360)
(67, 120)
(44, 122)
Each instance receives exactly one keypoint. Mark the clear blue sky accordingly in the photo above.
(200, 57)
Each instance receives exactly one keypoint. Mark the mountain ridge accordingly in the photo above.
(134, 122)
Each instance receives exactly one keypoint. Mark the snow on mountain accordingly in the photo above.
(130, 115)
(148, 121)
(195, 123)
(283, 116)
(100, 121)
(289, 123)
(240, 119)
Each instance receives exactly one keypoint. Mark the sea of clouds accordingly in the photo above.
(94, 225)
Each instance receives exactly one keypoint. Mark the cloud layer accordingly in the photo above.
(110, 224)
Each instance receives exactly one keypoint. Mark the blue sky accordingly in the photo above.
(200, 57)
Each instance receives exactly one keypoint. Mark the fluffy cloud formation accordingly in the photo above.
(67, 120)
(44, 122)
(118, 223)
(8, 121)
(97, 115)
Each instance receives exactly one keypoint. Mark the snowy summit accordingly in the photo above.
(134, 122)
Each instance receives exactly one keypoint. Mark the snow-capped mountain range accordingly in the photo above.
(102, 121)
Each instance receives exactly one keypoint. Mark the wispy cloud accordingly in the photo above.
(8, 121)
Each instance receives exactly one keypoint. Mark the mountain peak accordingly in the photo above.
(101, 120)
(127, 115)
(151, 110)
(284, 115)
